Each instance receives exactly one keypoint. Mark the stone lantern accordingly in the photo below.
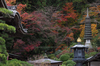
(79, 53)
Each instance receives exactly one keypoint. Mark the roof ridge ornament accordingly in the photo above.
(45, 56)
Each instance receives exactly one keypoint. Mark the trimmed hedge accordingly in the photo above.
(15, 62)
(64, 57)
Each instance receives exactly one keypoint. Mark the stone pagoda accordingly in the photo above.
(88, 33)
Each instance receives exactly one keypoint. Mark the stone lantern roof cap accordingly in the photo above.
(79, 46)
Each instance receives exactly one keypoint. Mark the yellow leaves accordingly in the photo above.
(93, 8)
(10, 1)
(98, 37)
(94, 30)
(82, 27)
(93, 13)
(83, 19)
(98, 7)
(71, 35)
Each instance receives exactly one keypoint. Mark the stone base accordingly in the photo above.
(88, 44)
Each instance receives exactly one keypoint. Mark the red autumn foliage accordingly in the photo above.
(40, 26)
(61, 47)
(20, 8)
(66, 13)
(98, 48)
(63, 52)
(22, 47)
(19, 43)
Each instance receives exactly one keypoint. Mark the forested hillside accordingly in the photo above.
(53, 25)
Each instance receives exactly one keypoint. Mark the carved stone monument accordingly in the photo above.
(88, 33)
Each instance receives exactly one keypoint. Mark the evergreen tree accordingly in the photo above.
(4, 28)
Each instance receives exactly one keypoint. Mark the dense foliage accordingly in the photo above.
(7, 28)
(53, 25)
(15, 62)
(3, 51)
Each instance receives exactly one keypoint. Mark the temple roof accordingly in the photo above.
(44, 60)
(96, 57)
(14, 19)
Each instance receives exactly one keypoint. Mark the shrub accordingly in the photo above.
(63, 52)
(70, 62)
(92, 53)
(71, 55)
(16, 62)
(51, 56)
(57, 59)
(63, 65)
(86, 55)
(69, 65)
(64, 57)
(3, 58)
(57, 52)
(1, 64)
